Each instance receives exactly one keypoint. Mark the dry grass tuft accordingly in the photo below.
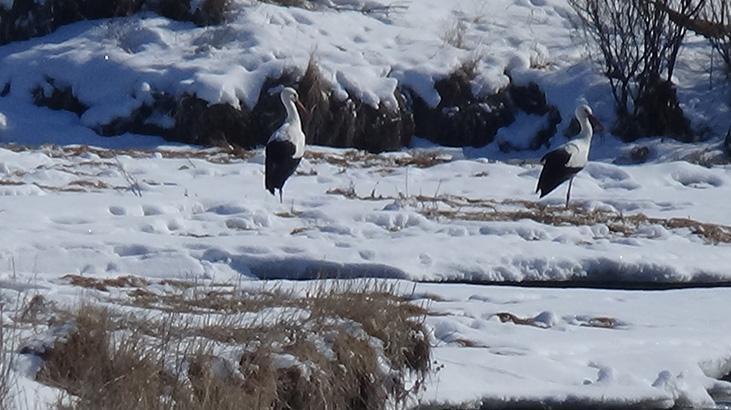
(598, 322)
(104, 369)
(625, 225)
(305, 4)
(37, 310)
(213, 155)
(486, 210)
(6, 362)
(105, 284)
(324, 348)
(420, 159)
(383, 315)
(602, 322)
(509, 317)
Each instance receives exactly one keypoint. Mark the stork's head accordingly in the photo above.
(289, 95)
(583, 113)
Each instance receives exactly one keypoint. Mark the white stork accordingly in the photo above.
(286, 146)
(566, 161)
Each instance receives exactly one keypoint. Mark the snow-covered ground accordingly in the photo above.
(208, 217)
(502, 346)
(428, 213)
(463, 219)
(204, 216)
(618, 348)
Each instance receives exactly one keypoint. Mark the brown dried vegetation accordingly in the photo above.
(419, 159)
(487, 210)
(321, 348)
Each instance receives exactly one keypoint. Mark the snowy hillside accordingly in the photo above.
(129, 73)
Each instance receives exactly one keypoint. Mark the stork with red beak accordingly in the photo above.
(286, 146)
(566, 161)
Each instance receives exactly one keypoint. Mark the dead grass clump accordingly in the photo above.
(626, 225)
(419, 159)
(423, 159)
(105, 284)
(509, 317)
(7, 182)
(213, 155)
(485, 210)
(348, 193)
(305, 4)
(217, 383)
(602, 322)
(383, 315)
(6, 363)
(211, 301)
(266, 349)
(37, 310)
(83, 183)
(102, 369)
(454, 33)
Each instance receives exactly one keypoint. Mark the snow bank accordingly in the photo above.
(113, 66)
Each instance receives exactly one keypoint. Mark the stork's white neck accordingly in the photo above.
(293, 116)
(587, 131)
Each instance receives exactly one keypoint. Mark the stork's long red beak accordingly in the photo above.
(304, 109)
(596, 125)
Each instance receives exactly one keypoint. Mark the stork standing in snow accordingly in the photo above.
(286, 146)
(566, 161)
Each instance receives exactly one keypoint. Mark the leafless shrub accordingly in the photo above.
(719, 14)
(714, 24)
(640, 45)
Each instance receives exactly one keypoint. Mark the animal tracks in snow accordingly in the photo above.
(427, 217)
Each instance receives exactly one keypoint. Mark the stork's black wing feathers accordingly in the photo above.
(555, 171)
(279, 164)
